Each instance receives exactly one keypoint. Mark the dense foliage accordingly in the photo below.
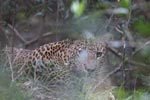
(122, 24)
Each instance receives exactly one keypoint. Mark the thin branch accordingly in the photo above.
(107, 76)
(128, 34)
(10, 64)
(31, 41)
(36, 39)
(17, 33)
(140, 48)
(118, 68)
(109, 21)
(126, 59)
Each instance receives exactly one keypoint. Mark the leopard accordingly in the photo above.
(55, 61)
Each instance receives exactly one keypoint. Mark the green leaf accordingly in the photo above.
(142, 27)
(21, 16)
(122, 93)
(125, 3)
(78, 7)
(141, 94)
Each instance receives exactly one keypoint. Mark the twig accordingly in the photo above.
(126, 59)
(31, 41)
(118, 68)
(137, 50)
(10, 64)
(129, 16)
(107, 76)
(141, 5)
(22, 39)
(47, 34)
(128, 34)
(138, 63)
(17, 33)
(36, 39)
(109, 21)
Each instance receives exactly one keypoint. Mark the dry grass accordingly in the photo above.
(44, 87)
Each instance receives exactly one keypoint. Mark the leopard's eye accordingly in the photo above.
(98, 54)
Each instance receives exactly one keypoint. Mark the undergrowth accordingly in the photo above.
(10, 90)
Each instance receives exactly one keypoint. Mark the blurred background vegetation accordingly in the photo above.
(31, 23)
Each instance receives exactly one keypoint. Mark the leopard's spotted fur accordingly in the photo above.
(61, 56)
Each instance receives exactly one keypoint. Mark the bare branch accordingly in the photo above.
(36, 39)
(10, 64)
(145, 44)
(17, 33)
(107, 76)
(126, 59)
